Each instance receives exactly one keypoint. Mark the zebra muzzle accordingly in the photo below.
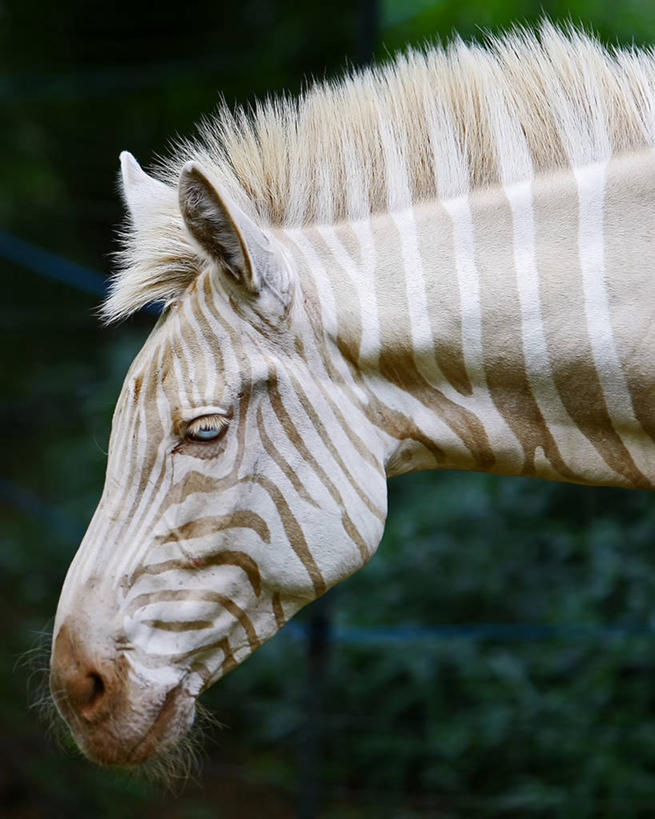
(115, 718)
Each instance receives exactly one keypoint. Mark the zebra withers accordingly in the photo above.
(444, 262)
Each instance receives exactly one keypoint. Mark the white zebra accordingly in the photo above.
(444, 262)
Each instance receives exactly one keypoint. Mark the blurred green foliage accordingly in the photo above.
(530, 722)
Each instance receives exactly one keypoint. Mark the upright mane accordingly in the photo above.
(432, 123)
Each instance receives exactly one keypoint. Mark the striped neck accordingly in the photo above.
(503, 331)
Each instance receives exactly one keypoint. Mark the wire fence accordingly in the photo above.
(51, 265)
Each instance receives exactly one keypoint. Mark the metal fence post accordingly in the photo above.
(311, 739)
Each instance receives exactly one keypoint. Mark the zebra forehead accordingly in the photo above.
(167, 366)
(436, 122)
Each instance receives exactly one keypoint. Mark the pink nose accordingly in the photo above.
(80, 682)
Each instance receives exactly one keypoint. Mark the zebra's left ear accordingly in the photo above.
(230, 237)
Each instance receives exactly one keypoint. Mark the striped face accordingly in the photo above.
(233, 497)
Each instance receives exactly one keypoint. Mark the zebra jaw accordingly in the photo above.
(128, 693)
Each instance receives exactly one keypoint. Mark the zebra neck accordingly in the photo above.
(511, 329)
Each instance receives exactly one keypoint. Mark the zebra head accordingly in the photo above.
(244, 478)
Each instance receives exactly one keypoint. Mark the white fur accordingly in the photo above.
(438, 122)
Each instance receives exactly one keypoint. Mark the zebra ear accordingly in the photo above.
(226, 234)
(143, 194)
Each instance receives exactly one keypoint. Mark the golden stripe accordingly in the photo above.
(202, 671)
(394, 423)
(178, 625)
(629, 243)
(398, 361)
(208, 525)
(360, 447)
(349, 325)
(278, 611)
(228, 659)
(157, 660)
(436, 247)
(239, 614)
(569, 346)
(195, 595)
(296, 440)
(502, 339)
(281, 462)
(226, 558)
(165, 596)
(293, 531)
(194, 482)
(243, 366)
(355, 536)
(327, 442)
(153, 425)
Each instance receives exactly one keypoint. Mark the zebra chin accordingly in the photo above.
(117, 716)
(113, 745)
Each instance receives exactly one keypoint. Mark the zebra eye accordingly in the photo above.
(206, 429)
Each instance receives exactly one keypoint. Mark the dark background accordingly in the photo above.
(495, 659)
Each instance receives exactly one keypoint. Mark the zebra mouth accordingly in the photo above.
(168, 726)
(122, 740)
(117, 715)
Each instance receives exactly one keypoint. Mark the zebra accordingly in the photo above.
(443, 262)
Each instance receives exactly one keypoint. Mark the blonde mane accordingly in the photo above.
(433, 123)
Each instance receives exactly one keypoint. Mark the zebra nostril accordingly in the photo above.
(77, 679)
(95, 688)
(85, 691)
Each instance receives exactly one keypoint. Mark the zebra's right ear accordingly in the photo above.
(229, 237)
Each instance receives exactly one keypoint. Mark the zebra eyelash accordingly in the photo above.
(206, 429)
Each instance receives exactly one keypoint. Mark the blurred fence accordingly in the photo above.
(50, 264)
